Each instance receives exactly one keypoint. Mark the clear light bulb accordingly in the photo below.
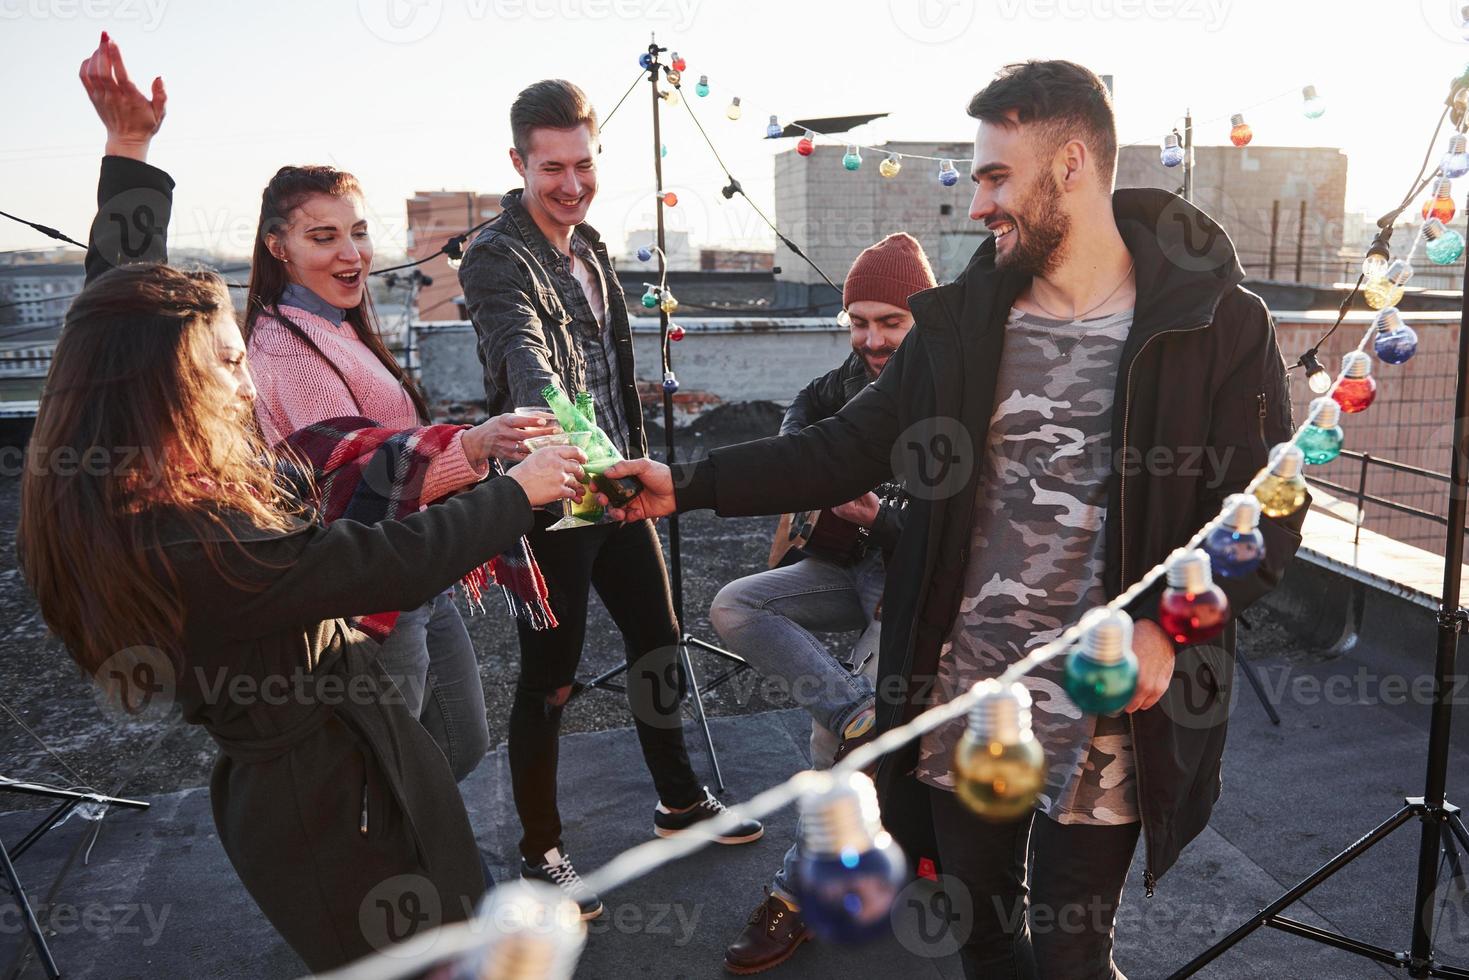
(1236, 547)
(1283, 490)
(1440, 203)
(650, 297)
(1240, 132)
(849, 870)
(702, 88)
(772, 131)
(1357, 389)
(1321, 440)
(734, 111)
(670, 96)
(1388, 290)
(1374, 265)
(1101, 671)
(674, 76)
(844, 319)
(1395, 341)
(890, 165)
(1444, 245)
(1193, 609)
(1455, 162)
(1311, 103)
(1317, 377)
(527, 929)
(853, 158)
(455, 261)
(1171, 154)
(667, 303)
(999, 765)
(948, 176)
(806, 145)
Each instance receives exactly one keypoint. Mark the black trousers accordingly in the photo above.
(625, 565)
(1072, 893)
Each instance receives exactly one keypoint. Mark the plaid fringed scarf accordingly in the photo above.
(368, 473)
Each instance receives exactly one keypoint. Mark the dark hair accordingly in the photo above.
(553, 103)
(287, 191)
(1068, 100)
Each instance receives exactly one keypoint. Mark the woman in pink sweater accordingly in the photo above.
(316, 353)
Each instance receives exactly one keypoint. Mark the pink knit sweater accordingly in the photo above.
(296, 389)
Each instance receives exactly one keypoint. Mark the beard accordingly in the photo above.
(1040, 231)
(873, 370)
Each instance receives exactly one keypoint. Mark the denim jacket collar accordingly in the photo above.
(530, 233)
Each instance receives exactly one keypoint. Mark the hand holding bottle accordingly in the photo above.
(552, 473)
(653, 501)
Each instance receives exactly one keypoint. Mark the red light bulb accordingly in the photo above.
(1441, 204)
(679, 64)
(1193, 609)
(670, 199)
(804, 145)
(675, 332)
(1357, 388)
(1240, 132)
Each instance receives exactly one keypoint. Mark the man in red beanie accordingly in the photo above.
(769, 618)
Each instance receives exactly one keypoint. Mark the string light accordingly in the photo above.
(666, 302)
(1172, 153)
(1388, 290)
(701, 89)
(1395, 341)
(1316, 376)
(669, 199)
(1440, 203)
(1455, 162)
(1283, 490)
(670, 96)
(844, 319)
(853, 159)
(645, 254)
(999, 765)
(1236, 547)
(849, 869)
(675, 332)
(1311, 103)
(806, 145)
(1193, 609)
(1374, 265)
(1240, 132)
(1321, 440)
(890, 166)
(1444, 245)
(948, 176)
(772, 131)
(670, 383)
(674, 76)
(645, 61)
(1357, 389)
(734, 111)
(1101, 671)
(650, 296)
(678, 63)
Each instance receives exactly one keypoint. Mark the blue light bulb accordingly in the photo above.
(850, 869)
(772, 131)
(1236, 547)
(1101, 671)
(948, 176)
(645, 254)
(670, 383)
(1321, 441)
(1444, 245)
(1395, 341)
(1455, 161)
(1171, 154)
(645, 61)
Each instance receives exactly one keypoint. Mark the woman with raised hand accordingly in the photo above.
(187, 555)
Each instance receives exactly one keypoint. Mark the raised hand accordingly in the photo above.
(503, 437)
(655, 500)
(131, 117)
(552, 473)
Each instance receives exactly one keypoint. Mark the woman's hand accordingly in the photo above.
(552, 473)
(130, 117)
(503, 437)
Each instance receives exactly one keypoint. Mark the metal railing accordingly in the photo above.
(1365, 462)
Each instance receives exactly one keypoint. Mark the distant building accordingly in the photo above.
(735, 260)
(433, 218)
(38, 294)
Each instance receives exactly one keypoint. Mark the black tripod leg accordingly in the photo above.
(32, 926)
(698, 698)
(1248, 669)
(1328, 869)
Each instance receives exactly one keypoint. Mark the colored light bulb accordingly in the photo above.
(1321, 439)
(1445, 245)
(849, 870)
(650, 297)
(675, 332)
(1455, 162)
(670, 96)
(526, 929)
(1193, 609)
(670, 383)
(1101, 670)
(772, 131)
(674, 76)
(702, 88)
(645, 61)
(1357, 388)
(948, 176)
(806, 145)
(663, 150)
(890, 165)
(1395, 341)
(999, 765)
(1317, 377)
(1283, 490)
(1240, 132)
(1388, 290)
(734, 111)
(1440, 203)
(669, 199)
(667, 303)
(645, 254)
(1311, 103)
(1236, 547)
(678, 63)
(853, 158)
(1172, 153)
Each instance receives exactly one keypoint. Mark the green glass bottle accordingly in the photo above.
(588, 509)
(601, 451)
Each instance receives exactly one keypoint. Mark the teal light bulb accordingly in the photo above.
(853, 158)
(1320, 441)
(1444, 245)
(1101, 671)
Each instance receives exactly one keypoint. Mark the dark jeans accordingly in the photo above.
(1075, 885)
(625, 565)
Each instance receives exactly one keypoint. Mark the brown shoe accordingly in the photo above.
(850, 745)
(773, 933)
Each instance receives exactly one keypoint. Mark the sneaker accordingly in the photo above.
(850, 745)
(773, 934)
(668, 824)
(557, 870)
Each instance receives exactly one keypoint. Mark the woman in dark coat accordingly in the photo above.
(175, 562)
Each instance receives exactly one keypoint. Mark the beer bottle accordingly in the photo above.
(588, 509)
(601, 451)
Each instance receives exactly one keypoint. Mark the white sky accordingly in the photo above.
(413, 94)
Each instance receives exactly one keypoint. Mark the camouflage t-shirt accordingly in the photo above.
(1036, 557)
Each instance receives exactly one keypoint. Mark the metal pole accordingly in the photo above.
(1188, 155)
(1300, 240)
(1274, 236)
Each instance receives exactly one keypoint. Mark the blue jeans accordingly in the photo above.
(430, 657)
(767, 618)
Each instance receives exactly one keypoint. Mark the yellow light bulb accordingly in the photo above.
(668, 303)
(1382, 293)
(1283, 490)
(999, 765)
(890, 166)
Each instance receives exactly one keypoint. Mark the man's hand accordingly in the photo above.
(1154, 649)
(862, 511)
(131, 118)
(655, 501)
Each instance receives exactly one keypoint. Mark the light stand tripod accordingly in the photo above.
(69, 800)
(1431, 809)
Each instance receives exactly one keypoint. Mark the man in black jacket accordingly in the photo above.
(547, 309)
(768, 618)
(1078, 282)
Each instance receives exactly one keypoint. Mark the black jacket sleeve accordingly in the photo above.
(134, 205)
(821, 399)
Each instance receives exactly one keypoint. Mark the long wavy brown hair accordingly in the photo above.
(287, 191)
(134, 429)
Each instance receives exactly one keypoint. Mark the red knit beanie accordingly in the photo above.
(889, 272)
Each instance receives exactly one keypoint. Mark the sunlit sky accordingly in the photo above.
(413, 94)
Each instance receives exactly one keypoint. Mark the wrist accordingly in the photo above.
(131, 148)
